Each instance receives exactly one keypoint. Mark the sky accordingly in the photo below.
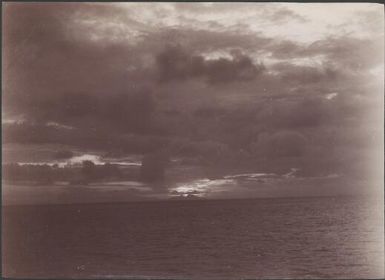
(276, 80)
(103, 48)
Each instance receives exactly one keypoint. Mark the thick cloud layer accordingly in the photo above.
(251, 77)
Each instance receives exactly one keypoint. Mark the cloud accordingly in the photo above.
(286, 49)
(203, 39)
(283, 15)
(284, 143)
(302, 74)
(346, 53)
(55, 75)
(110, 67)
(356, 55)
(176, 64)
(308, 112)
(331, 95)
(270, 13)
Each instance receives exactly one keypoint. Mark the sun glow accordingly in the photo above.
(201, 186)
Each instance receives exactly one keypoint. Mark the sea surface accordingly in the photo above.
(319, 237)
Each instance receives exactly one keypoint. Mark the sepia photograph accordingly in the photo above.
(192, 140)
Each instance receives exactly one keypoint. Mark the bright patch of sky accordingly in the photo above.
(303, 22)
(332, 95)
(79, 159)
(199, 186)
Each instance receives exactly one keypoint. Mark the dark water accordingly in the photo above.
(260, 238)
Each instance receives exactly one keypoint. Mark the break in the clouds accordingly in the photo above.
(247, 76)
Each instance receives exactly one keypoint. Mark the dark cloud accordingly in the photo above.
(101, 69)
(284, 143)
(54, 75)
(174, 63)
(202, 40)
(286, 49)
(296, 114)
(284, 15)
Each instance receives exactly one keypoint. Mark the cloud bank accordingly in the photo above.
(275, 80)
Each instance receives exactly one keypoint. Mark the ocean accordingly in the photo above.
(318, 237)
